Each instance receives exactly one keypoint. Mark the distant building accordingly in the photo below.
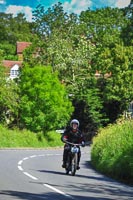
(21, 46)
(12, 67)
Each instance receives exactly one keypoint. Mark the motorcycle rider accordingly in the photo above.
(73, 135)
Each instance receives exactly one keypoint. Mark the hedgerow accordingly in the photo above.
(112, 151)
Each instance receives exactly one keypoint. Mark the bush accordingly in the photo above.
(17, 139)
(44, 103)
(112, 151)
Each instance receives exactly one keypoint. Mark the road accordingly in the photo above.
(38, 175)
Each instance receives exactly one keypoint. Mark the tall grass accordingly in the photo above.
(18, 139)
(112, 151)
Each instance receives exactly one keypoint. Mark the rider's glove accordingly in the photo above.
(64, 139)
(83, 144)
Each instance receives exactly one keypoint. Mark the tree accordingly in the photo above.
(103, 26)
(45, 22)
(79, 47)
(74, 66)
(13, 29)
(44, 102)
(9, 99)
(111, 60)
(115, 83)
(127, 31)
(71, 56)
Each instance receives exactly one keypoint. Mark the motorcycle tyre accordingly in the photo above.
(74, 165)
(68, 165)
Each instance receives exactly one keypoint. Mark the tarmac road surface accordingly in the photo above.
(29, 174)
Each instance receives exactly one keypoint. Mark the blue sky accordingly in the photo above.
(75, 6)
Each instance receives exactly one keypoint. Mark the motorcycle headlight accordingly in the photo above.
(74, 150)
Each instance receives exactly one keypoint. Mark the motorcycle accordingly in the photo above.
(72, 158)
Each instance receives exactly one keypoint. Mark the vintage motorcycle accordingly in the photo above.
(72, 158)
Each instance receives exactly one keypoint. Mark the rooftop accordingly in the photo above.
(11, 63)
(21, 46)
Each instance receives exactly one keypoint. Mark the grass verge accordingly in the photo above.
(112, 151)
(24, 139)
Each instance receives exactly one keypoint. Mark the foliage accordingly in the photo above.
(22, 139)
(50, 20)
(88, 100)
(127, 31)
(9, 99)
(44, 103)
(70, 54)
(104, 25)
(116, 80)
(82, 47)
(9, 51)
(97, 41)
(112, 151)
(13, 29)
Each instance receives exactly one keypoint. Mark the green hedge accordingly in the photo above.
(112, 151)
(17, 139)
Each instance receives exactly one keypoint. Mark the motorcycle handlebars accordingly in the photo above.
(73, 143)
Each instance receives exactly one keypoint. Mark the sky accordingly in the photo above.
(69, 6)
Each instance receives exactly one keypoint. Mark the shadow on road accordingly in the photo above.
(51, 172)
(18, 195)
(87, 165)
(96, 189)
(77, 175)
(97, 184)
(6, 194)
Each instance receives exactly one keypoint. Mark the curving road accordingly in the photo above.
(37, 175)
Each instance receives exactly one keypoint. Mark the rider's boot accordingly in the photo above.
(78, 167)
(64, 164)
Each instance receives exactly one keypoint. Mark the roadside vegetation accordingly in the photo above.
(27, 139)
(77, 66)
(112, 151)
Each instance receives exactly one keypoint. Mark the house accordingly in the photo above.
(12, 67)
(21, 46)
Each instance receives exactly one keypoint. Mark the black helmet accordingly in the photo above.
(74, 121)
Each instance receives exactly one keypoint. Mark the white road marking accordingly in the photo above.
(34, 178)
(20, 168)
(33, 156)
(26, 158)
(56, 190)
(20, 162)
(53, 188)
(27, 174)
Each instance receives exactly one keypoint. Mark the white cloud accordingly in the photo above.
(76, 6)
(122, 3)
(2, 2)
(23, 9)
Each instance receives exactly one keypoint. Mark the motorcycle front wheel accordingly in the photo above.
(74, 164)
(68, 165)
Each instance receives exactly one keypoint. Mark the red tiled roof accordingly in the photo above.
(21, 46)
(11, 63)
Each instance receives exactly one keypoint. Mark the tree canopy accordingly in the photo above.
(91, 54)
(44, 103)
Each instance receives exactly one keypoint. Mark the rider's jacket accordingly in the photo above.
(72, 136)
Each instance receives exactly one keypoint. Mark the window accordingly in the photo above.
(14, 73)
